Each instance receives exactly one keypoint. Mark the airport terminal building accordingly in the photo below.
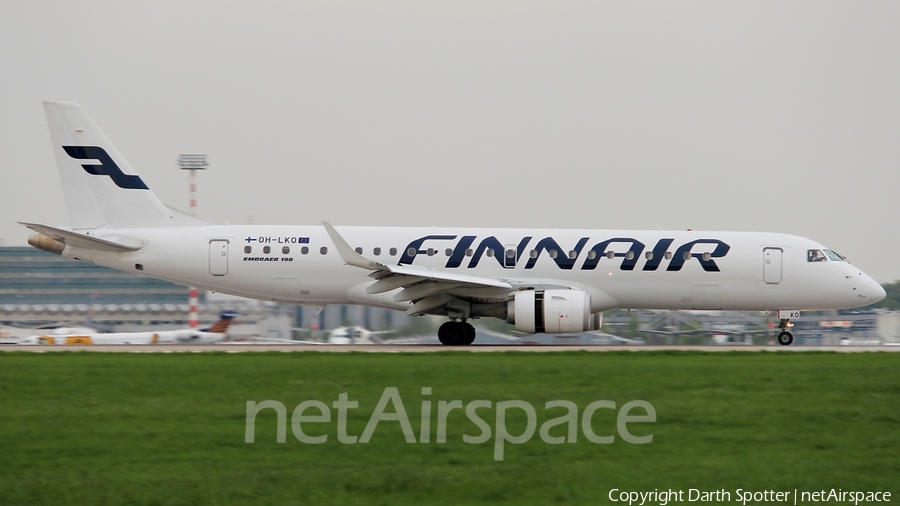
(31, 276)
(39, 289)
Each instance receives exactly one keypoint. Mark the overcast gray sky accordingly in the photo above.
(773, 116)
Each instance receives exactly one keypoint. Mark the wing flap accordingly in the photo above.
(429, 303)
(422, 290)
(391, 282)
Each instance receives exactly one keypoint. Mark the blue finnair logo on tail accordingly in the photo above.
(107, 166)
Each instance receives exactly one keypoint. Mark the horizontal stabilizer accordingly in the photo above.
(77, 240)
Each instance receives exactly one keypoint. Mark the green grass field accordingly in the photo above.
(103, 428)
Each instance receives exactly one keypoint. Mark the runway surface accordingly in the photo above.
(331, 348)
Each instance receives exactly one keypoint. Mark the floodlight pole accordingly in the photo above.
(192, 163)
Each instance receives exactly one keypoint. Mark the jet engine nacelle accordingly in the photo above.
(44, 243)
(551, 311)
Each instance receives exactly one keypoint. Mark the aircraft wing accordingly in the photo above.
(351, 257)
(428, 289)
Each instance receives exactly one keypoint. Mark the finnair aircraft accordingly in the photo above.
(542, 280)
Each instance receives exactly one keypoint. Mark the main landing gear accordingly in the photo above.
(456, 333)
(785, 338)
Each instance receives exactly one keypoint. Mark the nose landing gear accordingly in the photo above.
(785, 338)
(456, 333)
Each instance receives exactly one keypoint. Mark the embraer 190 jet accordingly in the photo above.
(540, 280)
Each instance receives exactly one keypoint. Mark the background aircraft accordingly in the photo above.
(355, 335)
(63, 336)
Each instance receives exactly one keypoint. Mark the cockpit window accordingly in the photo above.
(815, 255)
(834, 256)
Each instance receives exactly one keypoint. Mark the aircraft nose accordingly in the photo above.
(877, 292)
(866, 290)
(870, 290)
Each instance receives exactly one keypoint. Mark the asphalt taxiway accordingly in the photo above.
(419, 348)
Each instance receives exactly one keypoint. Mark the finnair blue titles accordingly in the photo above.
(553, 280)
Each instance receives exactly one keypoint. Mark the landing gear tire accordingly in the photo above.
(456, 334)
(785, 338)
(469, 335)
(445, 333)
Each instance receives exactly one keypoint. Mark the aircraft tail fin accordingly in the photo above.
(100, 187)
(221, 326)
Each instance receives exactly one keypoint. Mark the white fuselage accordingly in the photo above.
(162, 337)
(648, 269)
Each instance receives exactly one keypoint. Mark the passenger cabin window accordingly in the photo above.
(610, 254)
(267, 250)
(815, 255)
(573, 254)
(358, 250)
(285, 250)
(553, 253)
(592, 254)
(510, 253)
(411, 252)
(304, 250)
(448, 251)
(835, 257)
(376, 251)
(247, 249)
(393, 252)
(490, 253)
(649, 255)
(323, 250)
(668, 255)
